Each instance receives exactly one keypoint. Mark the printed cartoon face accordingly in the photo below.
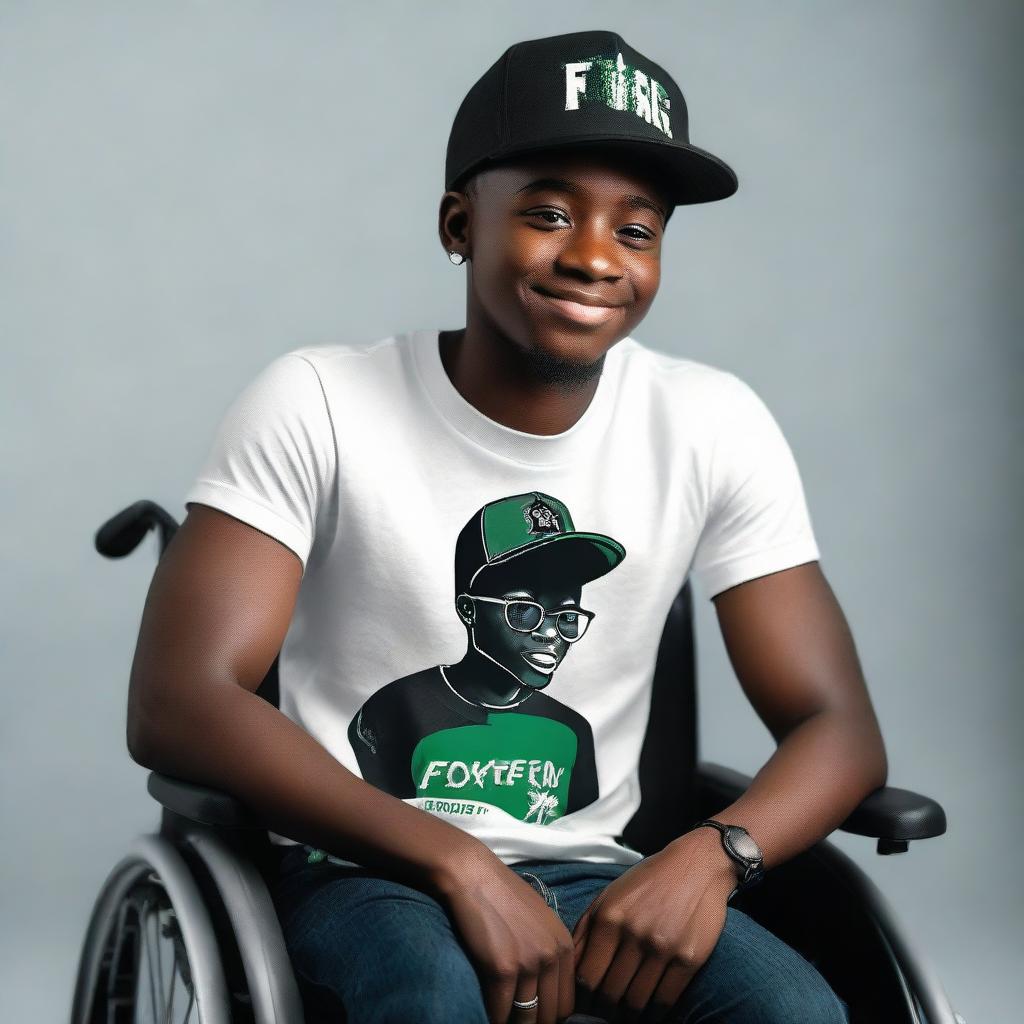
(528, 631)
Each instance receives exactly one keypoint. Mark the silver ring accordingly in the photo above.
(528, 1005)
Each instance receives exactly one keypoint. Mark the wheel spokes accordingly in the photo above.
(142, 959)
(156, 982)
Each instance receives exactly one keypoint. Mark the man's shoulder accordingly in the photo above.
(680, 385)
(351, 358)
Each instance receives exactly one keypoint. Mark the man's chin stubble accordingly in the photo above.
(567, 375)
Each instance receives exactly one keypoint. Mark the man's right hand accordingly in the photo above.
(518, 944)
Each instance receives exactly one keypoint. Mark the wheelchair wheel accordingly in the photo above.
(150, 954)
(144, 946)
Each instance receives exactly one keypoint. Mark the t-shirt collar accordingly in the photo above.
(529, 449)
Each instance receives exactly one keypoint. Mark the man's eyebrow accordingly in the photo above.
(634, 202)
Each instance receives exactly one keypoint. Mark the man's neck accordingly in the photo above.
(529, 392)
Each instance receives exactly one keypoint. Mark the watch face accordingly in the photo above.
(743, 844)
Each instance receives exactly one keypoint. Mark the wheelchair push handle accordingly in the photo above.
(121, 534)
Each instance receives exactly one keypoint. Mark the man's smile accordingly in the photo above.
(578, 312)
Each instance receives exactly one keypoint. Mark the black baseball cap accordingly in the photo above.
(583, 87)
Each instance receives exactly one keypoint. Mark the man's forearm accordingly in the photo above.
(820, 772)
(233, 740)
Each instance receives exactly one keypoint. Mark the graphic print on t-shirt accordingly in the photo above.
(481, 737)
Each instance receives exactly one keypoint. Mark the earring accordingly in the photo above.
(456, 257)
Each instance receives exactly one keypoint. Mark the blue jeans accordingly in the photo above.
(369, 950)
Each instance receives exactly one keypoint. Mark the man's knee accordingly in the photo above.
(388, 952)
(436, 986)
(753, 977)
(424, 990)
(810, 1001)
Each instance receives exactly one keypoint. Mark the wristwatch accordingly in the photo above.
(742, 849)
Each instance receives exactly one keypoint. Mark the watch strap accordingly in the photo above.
(748, 872)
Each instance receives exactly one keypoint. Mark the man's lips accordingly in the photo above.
(579, 312)
(577, 295)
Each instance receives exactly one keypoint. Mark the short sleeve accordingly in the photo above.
(273, 457)
(757, 519)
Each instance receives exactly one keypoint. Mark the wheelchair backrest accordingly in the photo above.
(668, 758)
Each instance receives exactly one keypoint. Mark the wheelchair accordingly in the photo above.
(184, 928)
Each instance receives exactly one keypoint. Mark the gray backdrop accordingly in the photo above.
(188, 190)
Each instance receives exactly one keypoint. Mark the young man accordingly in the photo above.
(456, 833)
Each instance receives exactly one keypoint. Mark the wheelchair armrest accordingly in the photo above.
(202, 804)
(891, 815)
(895, 816)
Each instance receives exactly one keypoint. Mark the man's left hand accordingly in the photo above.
(650, 930)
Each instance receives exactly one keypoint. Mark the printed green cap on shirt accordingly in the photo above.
(532, 533)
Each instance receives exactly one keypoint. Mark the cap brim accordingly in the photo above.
(690, 174)
(574, 558)
(701, 176)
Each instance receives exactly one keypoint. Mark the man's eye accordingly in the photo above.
(548, 213)
(639, 233)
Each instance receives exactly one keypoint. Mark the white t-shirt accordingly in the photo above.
(517, 714)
